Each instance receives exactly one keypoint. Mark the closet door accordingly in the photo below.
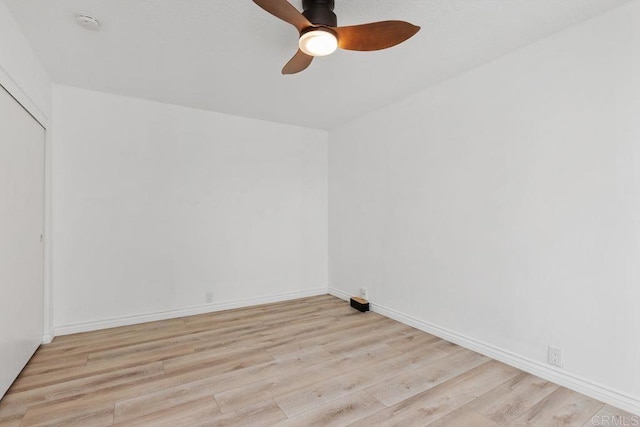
(21, 229)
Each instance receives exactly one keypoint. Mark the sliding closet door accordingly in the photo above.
(21, 229)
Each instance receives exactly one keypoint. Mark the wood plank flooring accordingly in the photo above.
(309, 362)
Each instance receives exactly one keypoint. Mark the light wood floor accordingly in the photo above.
(310, 362)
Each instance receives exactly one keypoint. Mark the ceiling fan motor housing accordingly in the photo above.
(320, 12)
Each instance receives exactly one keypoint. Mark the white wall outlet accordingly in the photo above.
(208, 297)
(364, 293)
(555, 356)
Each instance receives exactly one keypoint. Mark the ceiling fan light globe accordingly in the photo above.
(318, 43)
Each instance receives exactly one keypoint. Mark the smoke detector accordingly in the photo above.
(88, 22)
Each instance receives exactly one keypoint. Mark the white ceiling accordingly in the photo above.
(226, 55)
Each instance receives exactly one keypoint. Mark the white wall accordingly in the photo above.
(20, 71)
(503, 205)
(155, 205)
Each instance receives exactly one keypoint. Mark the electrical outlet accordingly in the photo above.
(208, 297)
(364, 293)
(555, 356)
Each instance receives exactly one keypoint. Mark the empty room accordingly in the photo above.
(319, 213)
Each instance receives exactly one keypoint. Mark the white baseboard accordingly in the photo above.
(172, 314)
(340, 294)
(581, 385)
(48, 337)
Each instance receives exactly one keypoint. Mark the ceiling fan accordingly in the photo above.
(321, 36)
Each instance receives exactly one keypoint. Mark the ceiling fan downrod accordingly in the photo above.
(320, 12)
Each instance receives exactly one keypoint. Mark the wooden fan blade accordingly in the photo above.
(284, 10)
(299, 62)
(375, 36)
